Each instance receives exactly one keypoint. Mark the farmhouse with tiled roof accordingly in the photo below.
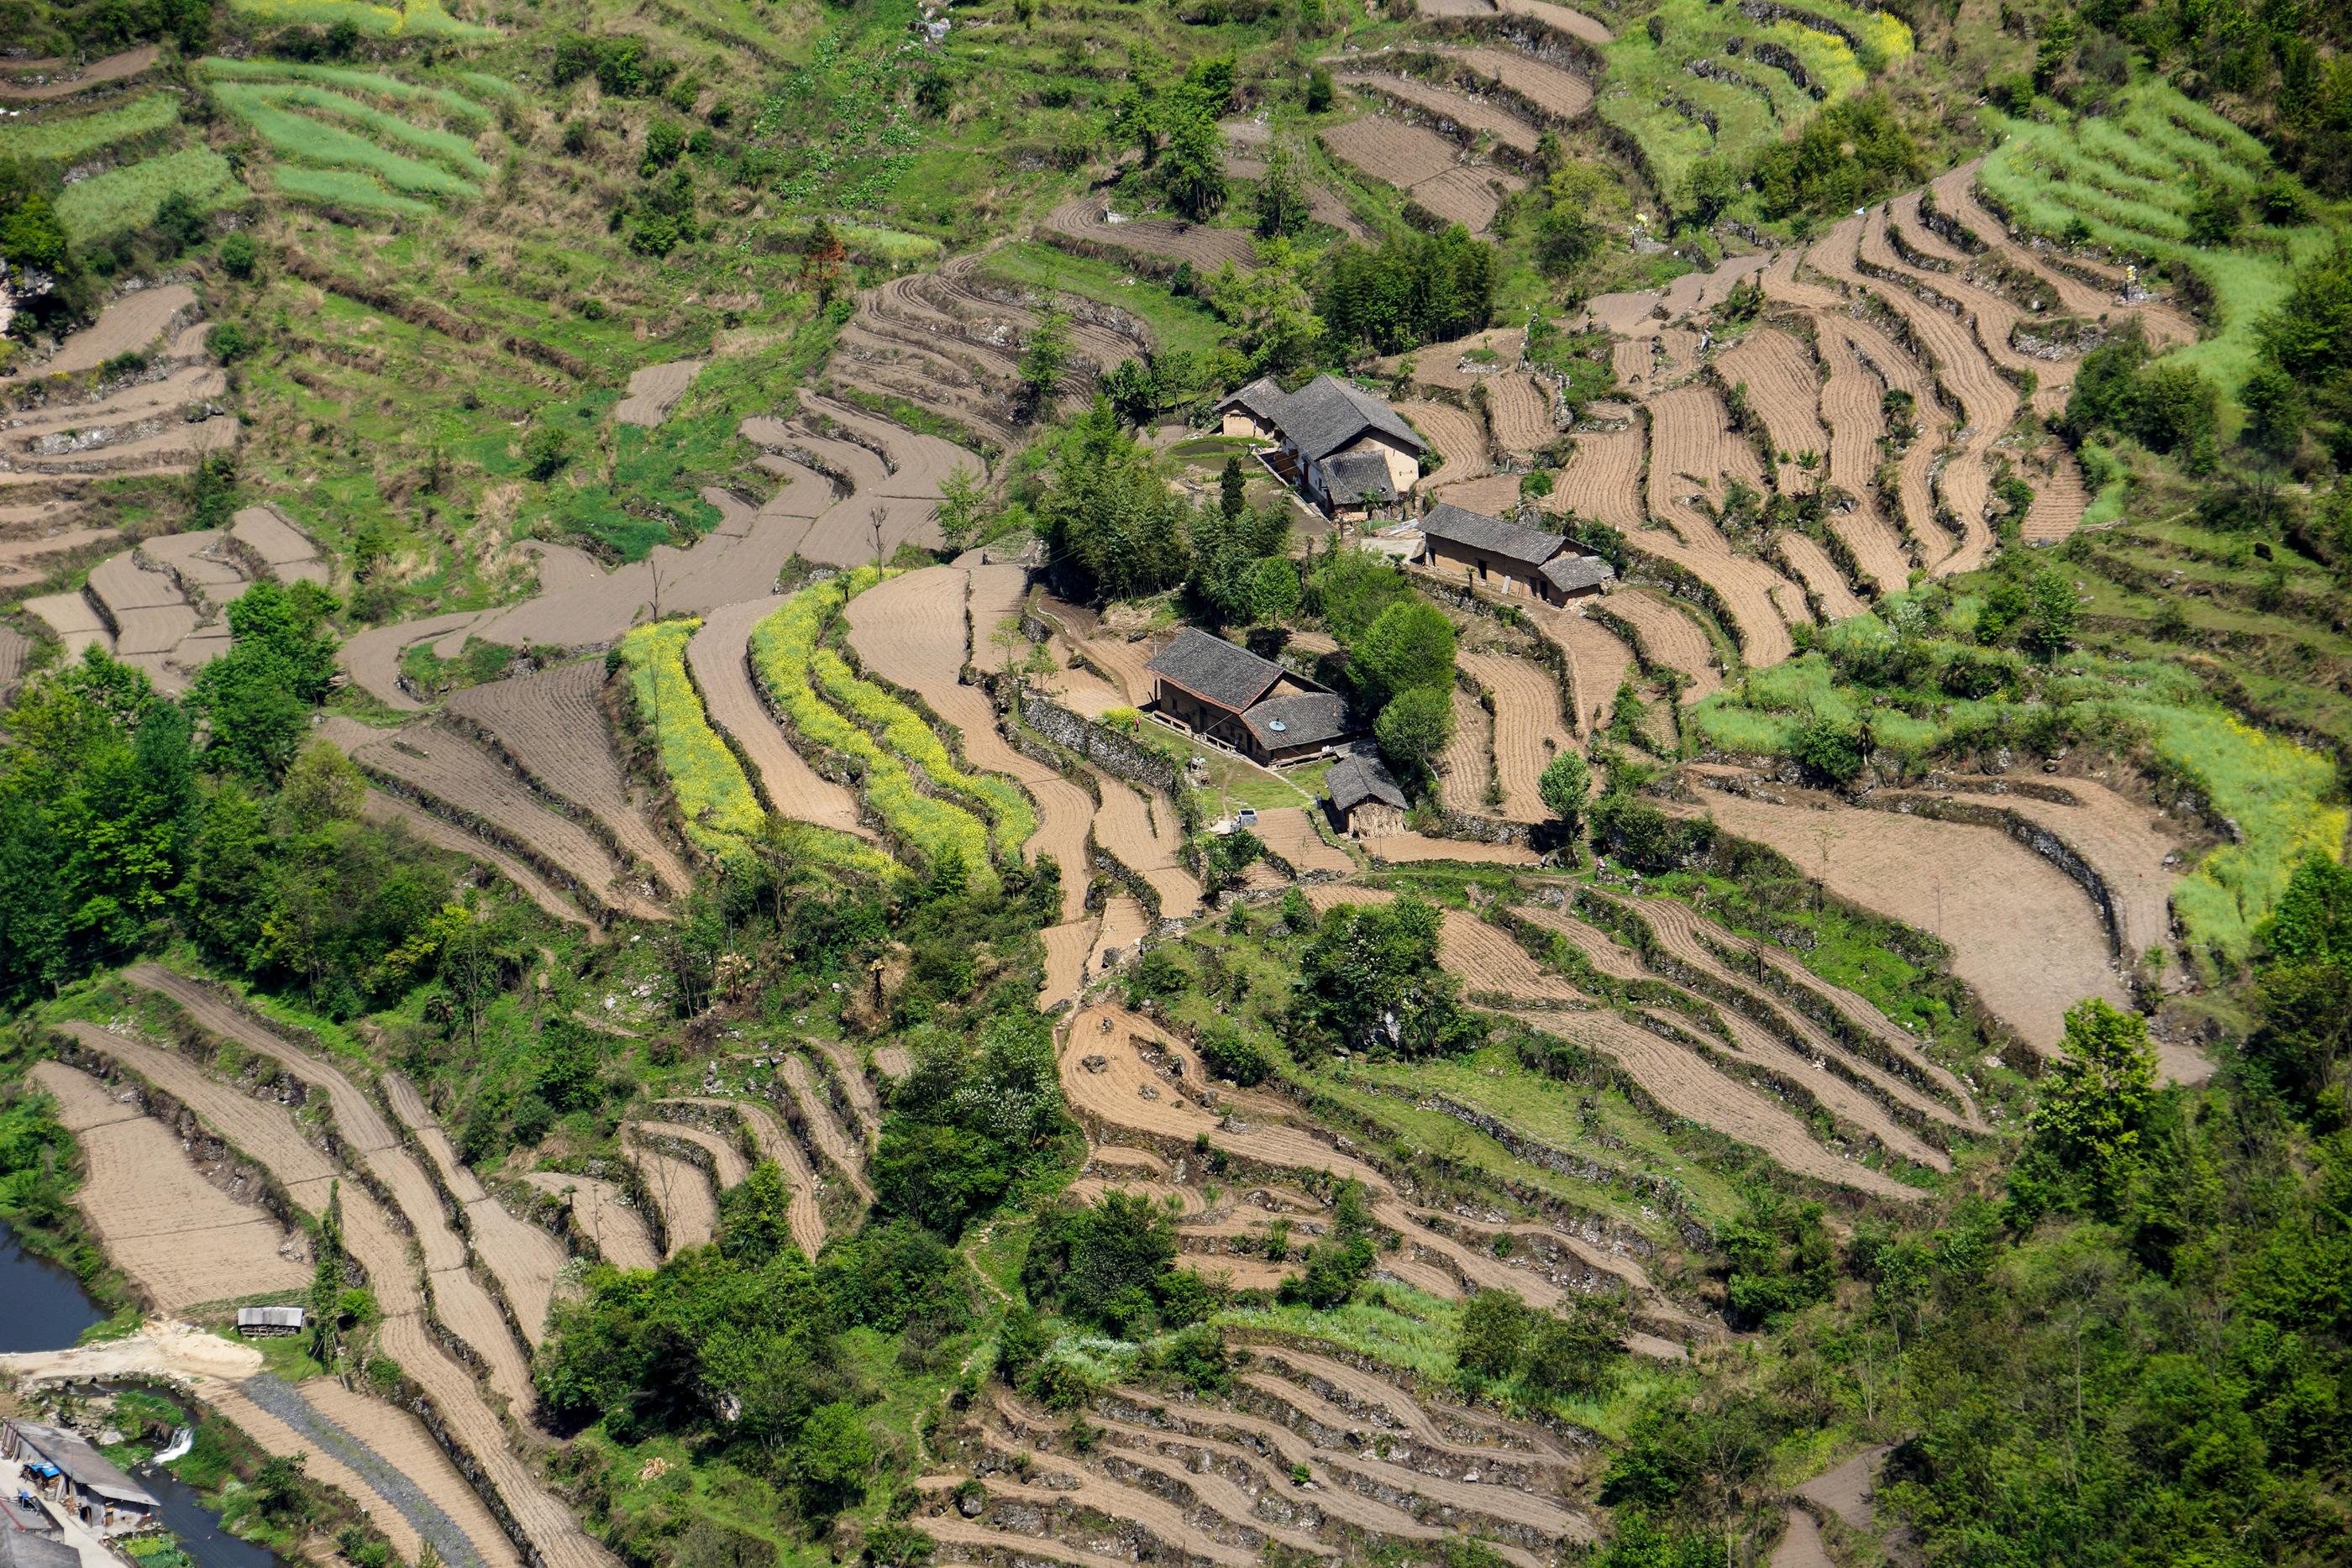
(1230, 696)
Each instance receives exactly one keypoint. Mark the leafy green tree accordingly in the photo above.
(1493, 1339)
(1099, 1263)
(1847, 156)
(1319, 93)
(1192, 169)
(1565, 785)
(1413, 727)
(1044, 361)
(2095, 1101)
(546, 452)
(1370, 980)
(963, 499)
(1580, 1351)
(2048, 627)
(1410, 645)
(280, 664)
(1233, 499)
(1115, 528)
(1280, 201)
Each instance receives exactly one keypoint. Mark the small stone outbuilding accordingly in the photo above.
(1365, 802)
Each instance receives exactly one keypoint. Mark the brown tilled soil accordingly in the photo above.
(1820, 575)
(128, 325)
(655, 391)
(1603, 479)
(1416, 849)
(282, 548)
(1390, 151)
(372, 657)
(682, 1192)
(62, 80)
(1465, 766)
(836, 1144)
(863, 1102)
(2022, 934)
(1562, 94)
(1800, 1544)
(74, 620)
(1454, 435)
(2124, 840)
(179, 1238)
(450, 772)
(1520, 409)
(382, 808)
(552, 724)
(599, 1214)
(1086, 224)
(1066, 948)
(1575, 24)
(1291, 836)
(1473, 115)
(367, 1137)
(776, 1142)
(1598, 661)
(1470, 197)
(266, 1132)
(1667, 637)
(402, 1441)
(1528, 731)
(1677, 1079)
(1784, 390)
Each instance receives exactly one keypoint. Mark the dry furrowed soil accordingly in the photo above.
(1784, 390)
(399, 1440)
(1820, 575)
(445, 770)
(2022, 935)
(1088, 225)
(602, 1216)
(1472, 115)
(655, 391)
(1465, 767)
(266, 1132)
(1563, 94)
(385, 810)
(1603, 479)
(552, 724)
(1454, 433)
(179, 1238)
(1416, 849)
(1598, 661)
(1667, 638)
(681, 1190)
(1390, 150)
(1291, 837)
(835, 1142)
(1520, 409)
(1528, 729)
(776, 1142)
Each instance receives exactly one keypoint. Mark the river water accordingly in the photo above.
(41, 1303)
(43, 1307)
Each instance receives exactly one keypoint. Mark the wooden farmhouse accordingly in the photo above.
(63, 1470)
(1229, 695)
(1366, 803)
(1468, 547)
(1344, 450)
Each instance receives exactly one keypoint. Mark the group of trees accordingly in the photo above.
(1576, 1351)
(975, 1117)
(1175, 129)
(1400, 650)
(1413, 288)
(2166, 407)
(121, 829)
(1369, 981)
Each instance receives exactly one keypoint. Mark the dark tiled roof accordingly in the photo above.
(1326, 413)
(1357, 781)
(83, 1465)
(23, 1549)
(1571, 571)
(1490, 536)
(1353, 476)
(1262, 397)
(1310, 719)
(1214, 670)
